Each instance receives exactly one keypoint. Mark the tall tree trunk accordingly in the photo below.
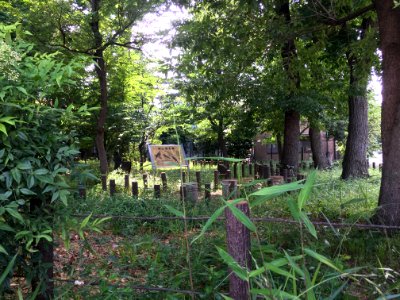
(355, 162)
(319, 158)
(142, 153)
(290, 156)
(101, 72)
(221, 143)
(389, 197)
(279, 146)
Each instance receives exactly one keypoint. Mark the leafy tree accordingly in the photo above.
(91, 28)
(389, 197)
(36, 154)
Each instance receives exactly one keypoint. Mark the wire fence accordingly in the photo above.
(264, 219)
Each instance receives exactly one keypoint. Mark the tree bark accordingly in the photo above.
(389, 198)
(290, 155)
(100, 67)
(319, 158)
(355, 162)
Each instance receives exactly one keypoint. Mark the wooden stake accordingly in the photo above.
(112, 187)
(164, 181)
(238, 244)
(126, 181)
(135, 189)
(157, 191)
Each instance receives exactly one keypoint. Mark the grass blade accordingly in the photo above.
(8, 269)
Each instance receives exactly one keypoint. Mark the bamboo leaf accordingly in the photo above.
(233, 264)
(273, 293)
(209, 222)
(14, 213)
(3, 250)
(294, 265)
(310, 226)
(241, 217)
(322, 259)
(174, 211)
(261, 196)
(272, 268)
(306, 191)
(294, 209)
(310, 288)
(85, 221)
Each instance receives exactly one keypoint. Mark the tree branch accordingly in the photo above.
(349, 17)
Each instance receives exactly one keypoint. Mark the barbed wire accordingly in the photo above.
(83, 282)
(254, 219)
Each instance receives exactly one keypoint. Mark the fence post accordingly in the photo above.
(164, 181)
(198, 180)
(184, 176)
(373, 165)
(207, 192)
(135, 189)
(104, 182)
(126, 182)
(235, 170)
(157, 191)
(238, 243)
(145, 181)
(82, 191)
(216, 175)
(250, 169)
(112, 187)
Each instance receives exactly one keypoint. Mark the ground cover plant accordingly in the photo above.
(288, 261)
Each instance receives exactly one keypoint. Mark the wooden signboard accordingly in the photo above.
(167, 156)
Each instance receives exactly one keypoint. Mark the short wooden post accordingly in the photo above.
(145, 181)
(250, 169)
(285, 174)
(183, 192)
(277, 180)
(183, 177)
(126, 181)
(112, 187)
(198, 180)
(104, 182)
(135, 189)
(192, 194)
(82, 191)
(216, 179)
(373, 165)
(238, 244)
(164, 181)
(235, 170)
(157, 191)
(228, 174)
(230, 189)
(207, 192)
(243, 169)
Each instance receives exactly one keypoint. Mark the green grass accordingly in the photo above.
(156, 249)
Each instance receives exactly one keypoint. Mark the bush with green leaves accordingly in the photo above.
(37, 154)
